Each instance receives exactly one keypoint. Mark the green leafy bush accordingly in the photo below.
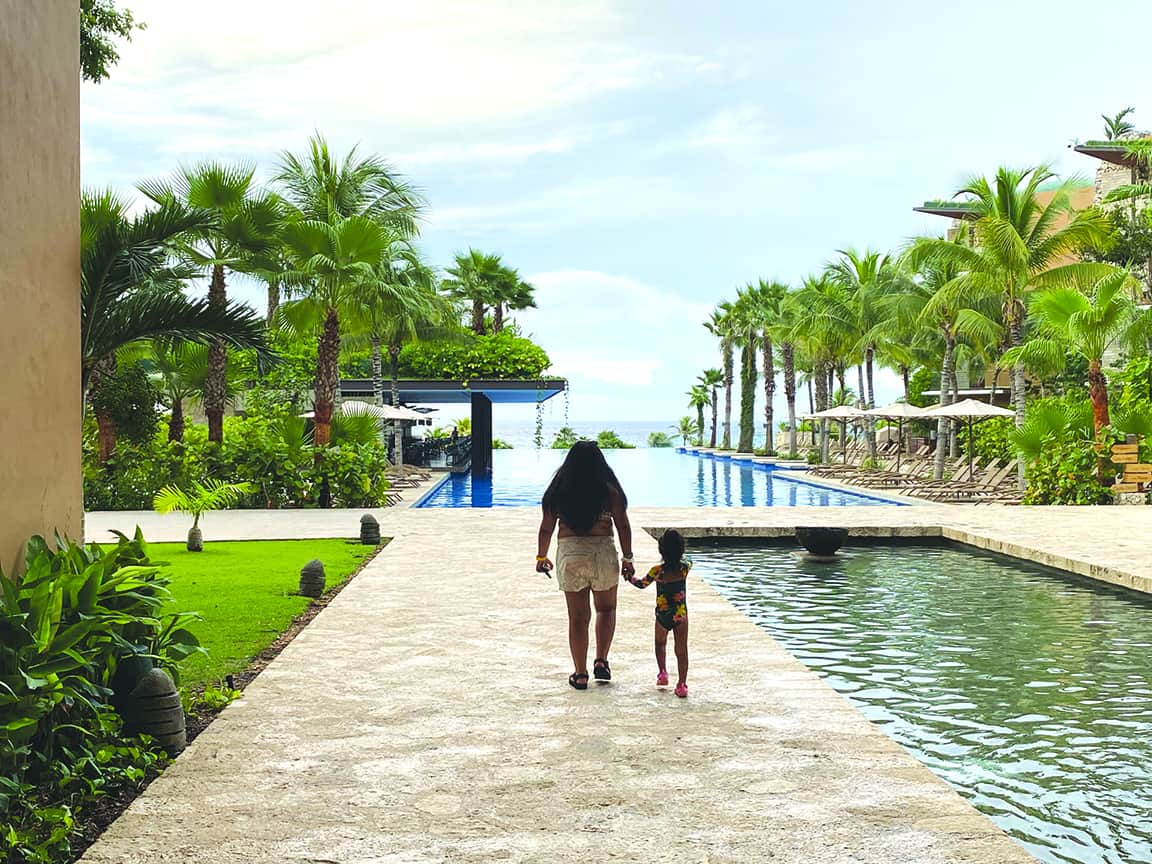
(501, 355)
(65, 629)
(1066, 472)
(130, 399)
(659, 439)
(565, 438)
(991, 439)
(609, 440)
(500, 444)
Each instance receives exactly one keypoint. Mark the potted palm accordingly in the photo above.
(200, 499)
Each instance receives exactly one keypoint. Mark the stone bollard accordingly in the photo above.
(153, 708)
(369, 530)
(312, 578)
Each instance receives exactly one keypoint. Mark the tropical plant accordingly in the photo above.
(659, 439)
(766, 302)
(101, 22)
(125, 407)
(1087, 320)
(245, 224)
(475, 279)
(512, 295)
(720, 325)
(1117, 126)
(823, 339)
(745, 324)
(699, 398)
(501, 355)
(1021, 246)
(712, 379)
(687, 431)
(197, 500)
(129, 291)
(609, 440)
(565, 438)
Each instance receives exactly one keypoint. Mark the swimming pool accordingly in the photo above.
(1029, 692)
(653, 477)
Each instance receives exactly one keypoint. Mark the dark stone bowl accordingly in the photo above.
(822, 542)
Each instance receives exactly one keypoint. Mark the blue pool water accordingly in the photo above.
(651, 477)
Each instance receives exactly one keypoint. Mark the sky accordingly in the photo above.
(636, 160)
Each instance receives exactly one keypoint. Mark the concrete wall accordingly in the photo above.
(40, 486)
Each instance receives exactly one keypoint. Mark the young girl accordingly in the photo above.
(671, 606)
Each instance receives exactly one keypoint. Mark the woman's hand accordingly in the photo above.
(627, 570)
(544, 566)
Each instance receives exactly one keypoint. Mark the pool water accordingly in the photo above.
(1028, 692)
(654, 477)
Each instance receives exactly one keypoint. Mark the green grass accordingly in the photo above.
(245, 593)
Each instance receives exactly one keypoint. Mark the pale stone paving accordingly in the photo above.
(424, 716)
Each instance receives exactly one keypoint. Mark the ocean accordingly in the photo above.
(521, 433)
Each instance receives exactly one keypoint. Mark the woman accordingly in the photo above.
(586, 500)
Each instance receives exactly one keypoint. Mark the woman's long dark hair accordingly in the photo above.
(582, 487)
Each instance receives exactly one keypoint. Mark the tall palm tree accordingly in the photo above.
(712, 379)
(480, 279)
(330, 265)
(781, 331)
(687, 430)
(512, 294)
(129, 290)
(179, 370)
(247, 220)
(746, 335)
(1020, 245)
(699, 398)
(824, 338)
(1087, 321)
(768, 305)
(720, 325)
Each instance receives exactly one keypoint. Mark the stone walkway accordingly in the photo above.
(424, 717)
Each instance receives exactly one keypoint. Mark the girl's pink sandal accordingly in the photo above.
(682, 690)
(661, 678)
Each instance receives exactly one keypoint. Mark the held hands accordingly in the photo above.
(627, 569)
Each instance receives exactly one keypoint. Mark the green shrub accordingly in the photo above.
(813, 457)
(501, 355)
(130, 399)
(609, 440)
(1066, 472)
(565, 438)
(500, 444)
(659, 439)
(991, 439)
(65, 627)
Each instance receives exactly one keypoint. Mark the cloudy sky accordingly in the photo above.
(638, 159)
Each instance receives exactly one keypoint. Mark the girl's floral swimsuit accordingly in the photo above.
(671, 593)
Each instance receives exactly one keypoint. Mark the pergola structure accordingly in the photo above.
(481, 394)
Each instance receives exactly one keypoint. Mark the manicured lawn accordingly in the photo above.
(245, 592)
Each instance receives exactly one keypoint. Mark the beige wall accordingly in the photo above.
(40, 488)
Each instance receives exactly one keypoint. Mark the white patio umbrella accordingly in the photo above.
(970, 410)
(843, 413)
(898, 411)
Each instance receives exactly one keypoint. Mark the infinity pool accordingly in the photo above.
(656, 477)
(1028, 692)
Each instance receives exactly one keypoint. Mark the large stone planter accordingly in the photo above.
(822, 542)
(369, 530)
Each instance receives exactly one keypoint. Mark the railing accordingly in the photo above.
(439, 452)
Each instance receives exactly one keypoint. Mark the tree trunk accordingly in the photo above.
(728, 363)
(870, 424)
(823, 377)
(840, 371)
(478, 317)
(747, 398)
(215, 385)
(944, 425)
(498, 317)
(105, 437)
(715, 415)
(954, 433)
(867, 423)
(1015, 327)
(377, 371)
(273, 300)
(397, 426)
(906, 376)
(790, 393)
(1098, 393)
(327, 378)
(699, 424)
(176, 422)
(811, 410)
(769, 396)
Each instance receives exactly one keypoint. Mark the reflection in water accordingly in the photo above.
(1029, 693)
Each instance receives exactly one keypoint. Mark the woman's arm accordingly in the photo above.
(543, 541)
(624, 531)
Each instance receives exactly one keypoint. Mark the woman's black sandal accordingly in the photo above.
(601, 669)
(579, 680)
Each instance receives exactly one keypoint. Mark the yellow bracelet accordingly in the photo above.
(541, 557)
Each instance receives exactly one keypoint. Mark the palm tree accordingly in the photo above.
(331, 264)
(698, 398)
(180, 371)
(246, 223)
(1019, 246)
(1086, 321)
(768, 306)
(746, 335)
(1116, 126)
(781, 331)
(512, 294)
(687, 430)
(824, 339)
(712, 379)
(480, 279)
(720, 325)
(129, 292)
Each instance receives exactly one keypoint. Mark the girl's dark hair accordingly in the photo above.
(582, 487)
(671, 547)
